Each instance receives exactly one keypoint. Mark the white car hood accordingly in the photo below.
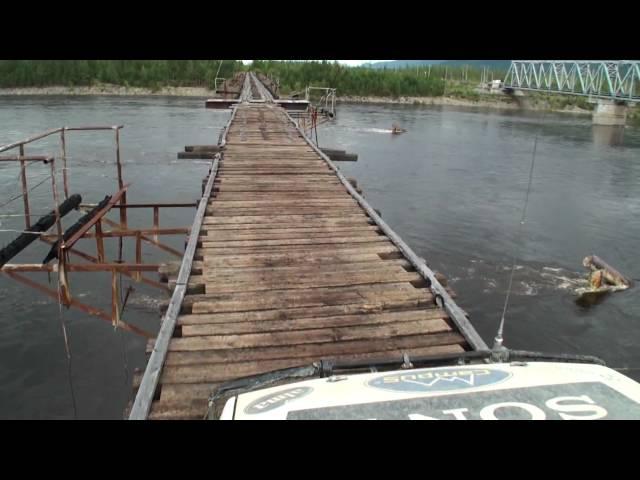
(536, 390)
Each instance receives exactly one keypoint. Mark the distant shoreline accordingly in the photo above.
(498, 103)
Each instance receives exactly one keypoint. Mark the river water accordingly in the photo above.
(453, 187)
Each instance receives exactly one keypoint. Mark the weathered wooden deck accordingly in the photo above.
(291, 266)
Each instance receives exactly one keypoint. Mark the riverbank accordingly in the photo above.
(494, 101)
(110, 90)
(499, 102)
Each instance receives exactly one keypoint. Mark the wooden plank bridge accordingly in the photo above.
(287, 264)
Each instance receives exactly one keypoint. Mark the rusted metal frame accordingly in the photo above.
(65, 293)
(25, 190)
(147, 231)
(97, 217)
(74, 303)
(160, 245)
(63, 282)
(144, 398)
(133, 233)
(153, 205)
(93, 259)
(456, 314)
(54, 189)
(138, 254)
(115, 298)
(89, 127)
(63, 145)
(62, 130)
(9, 146)
(103, 267)
(123, 201)
(99, 241)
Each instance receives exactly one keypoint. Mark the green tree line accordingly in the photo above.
(413, 82)
(135, 73)
(293, 75)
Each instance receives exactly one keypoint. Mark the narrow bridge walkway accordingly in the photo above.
(291, 266)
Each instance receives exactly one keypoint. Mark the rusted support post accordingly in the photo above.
(25, 191)
(99, 241)
(64, 163)
(156, 221)
(55, 200)
(123, 199)
(115, 299)
(65, 292)
(138, 275)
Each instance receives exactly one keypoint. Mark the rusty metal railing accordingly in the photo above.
(64, 248)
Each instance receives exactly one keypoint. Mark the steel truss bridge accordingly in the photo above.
(612, 80)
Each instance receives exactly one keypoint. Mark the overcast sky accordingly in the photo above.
(346, 62)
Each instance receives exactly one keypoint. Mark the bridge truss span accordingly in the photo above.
(613, 80)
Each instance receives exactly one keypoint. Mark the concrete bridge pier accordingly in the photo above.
(610, 112)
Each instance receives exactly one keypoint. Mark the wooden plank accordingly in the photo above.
(308, 297)
(374, 246)
(186, 393)
(317, 351)
(388, 266)
(336, 279)
(269, 219)
(302, 313)
(310, 323)
(319, 240)
(268, 202)
(325, 223)
(278, 233)
(285, 260)
(337, 211)
(282, 195)
(299, 337)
